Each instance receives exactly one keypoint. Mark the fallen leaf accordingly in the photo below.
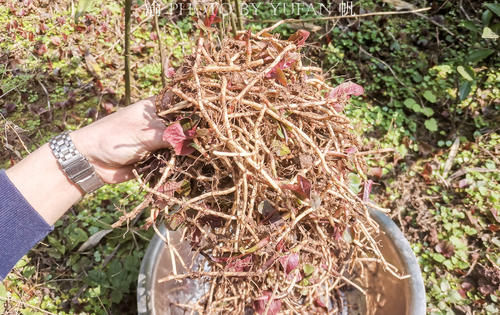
(93, 240)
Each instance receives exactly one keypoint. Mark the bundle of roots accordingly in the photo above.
(259, 177)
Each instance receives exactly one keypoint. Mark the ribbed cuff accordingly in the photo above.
(21, 226)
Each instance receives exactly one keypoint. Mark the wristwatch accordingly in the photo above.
(76, 167)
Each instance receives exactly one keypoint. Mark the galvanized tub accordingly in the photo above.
(386, 295)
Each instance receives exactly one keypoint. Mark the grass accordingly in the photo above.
(425, 89)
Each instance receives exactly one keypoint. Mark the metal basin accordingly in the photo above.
(385, 294)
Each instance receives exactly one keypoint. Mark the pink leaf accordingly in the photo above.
(351, 150)
(176, 137)
(289, 262)
(260, 304)
(341, 94)
(170, 72)
(283, 64)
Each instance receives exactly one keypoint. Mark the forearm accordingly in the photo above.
(44, 185)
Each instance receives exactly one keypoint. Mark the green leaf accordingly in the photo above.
(427, 111)
(488, 33)
(486, 17)
(470, 26)
(464, 90)
(280, 133)
(409, 102)
(308, 269)
(354, 182)
(466, 72)
(495, 7)
(480, 54)
(413, 105)
(428, 95)
(57, 244)
(431, 124)
(78, 235)
(82, 8)
(438, 257)
(280, 148)
(3, 291)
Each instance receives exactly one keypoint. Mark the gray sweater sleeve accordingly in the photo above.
(21, 227)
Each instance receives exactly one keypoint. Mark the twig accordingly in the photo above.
(49, 107)
(128, 11)
(194, 275)
(162, 54)
(338, 17)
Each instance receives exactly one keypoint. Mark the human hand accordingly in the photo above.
(113, 143)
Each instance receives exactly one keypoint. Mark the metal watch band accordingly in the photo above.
(74, 164)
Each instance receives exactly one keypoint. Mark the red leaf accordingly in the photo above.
(299, 37)
(41, 50)
(283, 64)
(289, 262)
(302, 188)
(60, 20)
(240, 265)
(43, 28)
(176, 137)
(261, 303)
(319, 303)
(212, 18)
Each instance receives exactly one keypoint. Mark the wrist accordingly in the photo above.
(74, 164)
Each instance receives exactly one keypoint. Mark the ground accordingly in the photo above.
(432, 95)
